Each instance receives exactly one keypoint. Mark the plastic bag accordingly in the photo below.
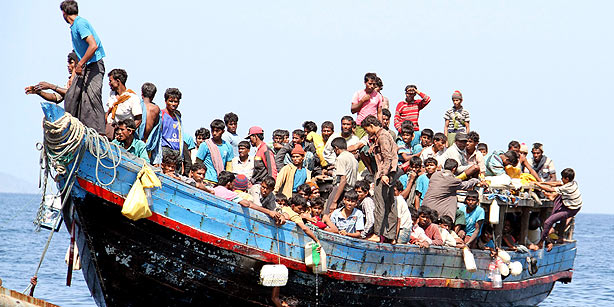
(136, 205)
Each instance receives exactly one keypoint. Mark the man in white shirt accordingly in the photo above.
(123, 103)
(243, 163)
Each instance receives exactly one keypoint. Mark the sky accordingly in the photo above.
(532, 71)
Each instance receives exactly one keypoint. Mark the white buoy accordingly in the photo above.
(504, 256)
(469, 260)
(493, 216)
(503, 268)
(516, 268)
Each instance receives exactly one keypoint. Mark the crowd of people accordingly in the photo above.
(366, 180)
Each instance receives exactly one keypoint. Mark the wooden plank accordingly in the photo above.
(524, 225)
(499, 227)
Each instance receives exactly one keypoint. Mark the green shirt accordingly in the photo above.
(137, 148)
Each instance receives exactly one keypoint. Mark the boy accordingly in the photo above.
(224, 190)
(472, 155)
(304, 190)
(243, 163)
(293, 175)
(567, 203)
(298, 205)
(409, 181)
(386, 122)
(426, 138)
(215, 153)
(349, 220)
(230, 135)
(449, 237)
(345, 174)
(410, 108)
(123, 103)
(124, 136)
(319, 219)
(406, 150)
(367, 102)
(240, 186)
(312, 136)
(197, 173)
(437, 149)
(366, 205)
(266, 197)
(483, 148)
(422, 183)
(425, 221)
(405, 221)
(171, 131)
(200, 136)
(485, 241)
(456, 118)
(498, 161)
(474, 218)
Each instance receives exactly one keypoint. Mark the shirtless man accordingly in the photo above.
(151, 110)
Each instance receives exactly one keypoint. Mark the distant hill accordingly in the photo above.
(13, 184)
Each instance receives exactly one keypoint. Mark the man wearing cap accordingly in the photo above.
(458, 153)
(291, 176)
(456, 118)
(264, 161)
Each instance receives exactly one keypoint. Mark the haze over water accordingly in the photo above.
(21, 247)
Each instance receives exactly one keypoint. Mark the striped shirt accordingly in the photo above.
(570, 195)
(410, 111)
(457, 119)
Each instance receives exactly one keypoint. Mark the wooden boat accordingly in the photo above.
(197, 249)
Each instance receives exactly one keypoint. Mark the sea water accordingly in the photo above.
(21, 248)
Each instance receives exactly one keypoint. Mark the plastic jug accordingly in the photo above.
(493, 216)
(273, 275)
(496, 281)
(314, 259)
(469, 260)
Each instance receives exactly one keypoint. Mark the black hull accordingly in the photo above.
(142, 263)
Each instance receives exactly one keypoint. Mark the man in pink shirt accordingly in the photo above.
(367, 102)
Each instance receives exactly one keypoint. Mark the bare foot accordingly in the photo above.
(549, 246)
(533, 247)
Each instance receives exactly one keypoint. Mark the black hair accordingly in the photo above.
(512, 156)
(310, 126)
(70, 7)
(430, 160)
(363, 185)
(285, 133)
(217, 124)
(72, 57)
(539, 146)
(370, 121)
(298, 200)
(340, 143)
(269, 181)
(428, 133)
(446, 220)
(474, 136)
(407, 129)
(487, 229)
(534, 222)
(172, 92)
(317, 202)
(128, 122)
(198, 166)
(231, 117)
(370, 75)
(407, 123)
(415, 161)
(148, 90)
(450, 164)
(473, 193)
(513, 144)
(278, 132)
(204, 132)
(439, 136)
(305, 188)
(426, 211)
(300, 133)
(413, 212)
(410, 86)
(225, 177)
(279, 197)
(568, 173)
(386, 112)
(328, 124)
(245, 144)
(351, 195)
(434, 215)
(482, 146)
(398, 185)
(379, 83)
(119, 74)
(170, 158)
(259, 136)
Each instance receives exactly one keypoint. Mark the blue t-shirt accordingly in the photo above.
(300, 176)
(422, 185)
(170, 131)
(472, 218)
(416, 140)
(233, 140)
(204, 154)
(79, 31)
